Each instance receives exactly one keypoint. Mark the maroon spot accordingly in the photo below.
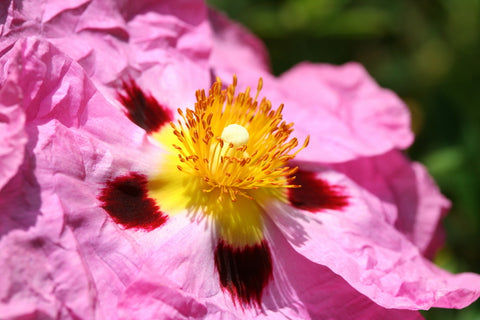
(244, 272)
(315, 194)
(143, 109)
(126, 200)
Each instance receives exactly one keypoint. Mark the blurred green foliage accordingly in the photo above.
(425, 50)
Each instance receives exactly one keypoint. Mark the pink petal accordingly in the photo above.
(153, 296)
(163, 45)
(302, 289)
(43, 275)
(76, 142)
(364, 248)
(186, 255)
(346, 114)
(44, 12)
(12, 134)
(411, 200)
(179, 257)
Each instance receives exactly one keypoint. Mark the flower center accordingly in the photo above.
(235, 143)
(228, 157)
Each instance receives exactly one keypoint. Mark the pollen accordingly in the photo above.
(235, 143)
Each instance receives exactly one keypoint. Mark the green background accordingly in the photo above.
(427, 51)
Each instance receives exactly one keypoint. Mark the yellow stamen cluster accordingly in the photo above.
(235, 143)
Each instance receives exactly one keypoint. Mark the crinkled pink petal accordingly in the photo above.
(346, 114)
(186, 256)
(20, 199)
(178, 279)
(302, 289)
(359, 244)
(411, 200)
(43, 11)
(192, 289)
(180, 256)
(153, 297)
(43, 276)
(12, 134)
(76, 141)
(103, 16)
(163, 45)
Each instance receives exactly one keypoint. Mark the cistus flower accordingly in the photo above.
(141, 179)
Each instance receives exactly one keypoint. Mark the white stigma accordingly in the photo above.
(235, 134)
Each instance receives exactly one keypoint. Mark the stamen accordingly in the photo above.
(243, 144)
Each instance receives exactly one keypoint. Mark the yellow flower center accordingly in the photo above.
(230, 153)
(235, 143)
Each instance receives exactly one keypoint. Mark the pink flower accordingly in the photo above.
(101, 219)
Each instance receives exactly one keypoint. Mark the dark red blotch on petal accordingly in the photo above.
(244, 272)
(315, 194)
(126, 200)
(143, 109)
